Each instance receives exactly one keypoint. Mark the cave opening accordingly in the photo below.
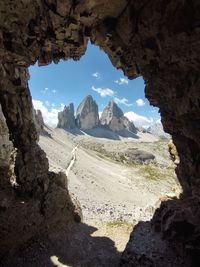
(156, 39)
(119, 170)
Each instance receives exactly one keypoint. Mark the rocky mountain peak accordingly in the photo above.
(39, 123)
(87, 116)
(115, 109)
(110, 112)
(157, 130)
(113, 118)
(66, 117)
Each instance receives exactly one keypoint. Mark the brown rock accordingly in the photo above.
(159, 40)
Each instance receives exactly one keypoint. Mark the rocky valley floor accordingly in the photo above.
(114, 180)
(118, 182)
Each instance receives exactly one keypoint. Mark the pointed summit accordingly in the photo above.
(66, 119)
(110, 112)
(113, 118)
(87, 116)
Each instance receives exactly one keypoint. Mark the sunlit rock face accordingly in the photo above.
(66, 118)
(159, 40)
(113, 118)
(87, 115)
(157, 130)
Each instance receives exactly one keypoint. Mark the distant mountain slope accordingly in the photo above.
(157, 130)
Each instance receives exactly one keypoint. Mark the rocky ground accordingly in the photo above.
(114, 180)
(118, 183)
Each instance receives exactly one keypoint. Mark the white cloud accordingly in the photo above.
(47, 103)
(121, 81)
(103, 91)
(50, 117)
(45, 90)
(97, 75)
(123, 101)
(53, 91)
(100, 112)
(139, 120)
(140, 102)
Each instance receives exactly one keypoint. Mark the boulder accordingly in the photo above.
(87, 116)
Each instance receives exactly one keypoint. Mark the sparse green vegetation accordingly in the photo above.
(119, 223)
(153, 172)
(150, 172)
(142, 161)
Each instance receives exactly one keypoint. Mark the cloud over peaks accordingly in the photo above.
(103, 92)
(140, 102)
(50, 117)
(123, 101)
(96, 75)
(121, 81)
(44, 90)
(138, 120)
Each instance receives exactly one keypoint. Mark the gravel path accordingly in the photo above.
(107, 190)
(114, 197)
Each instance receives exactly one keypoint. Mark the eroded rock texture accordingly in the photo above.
(39, 122)
(66, 118)
(159, 40)
(35, 201)
(4, 141)
(87, 116)
(113, 118)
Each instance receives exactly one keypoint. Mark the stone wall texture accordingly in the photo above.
(159, 40)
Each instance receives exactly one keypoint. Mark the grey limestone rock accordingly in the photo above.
(87, 116)
(66, 118)
(113, 118)
(157, 130)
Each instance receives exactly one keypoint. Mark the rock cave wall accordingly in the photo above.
(32, 199)
(159, 40)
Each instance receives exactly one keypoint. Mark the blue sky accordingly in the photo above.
(56, 85)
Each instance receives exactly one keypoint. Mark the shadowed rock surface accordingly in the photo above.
(66, 119)
(159, 40)
(87, 116)
(5, 144)
(39, 122)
